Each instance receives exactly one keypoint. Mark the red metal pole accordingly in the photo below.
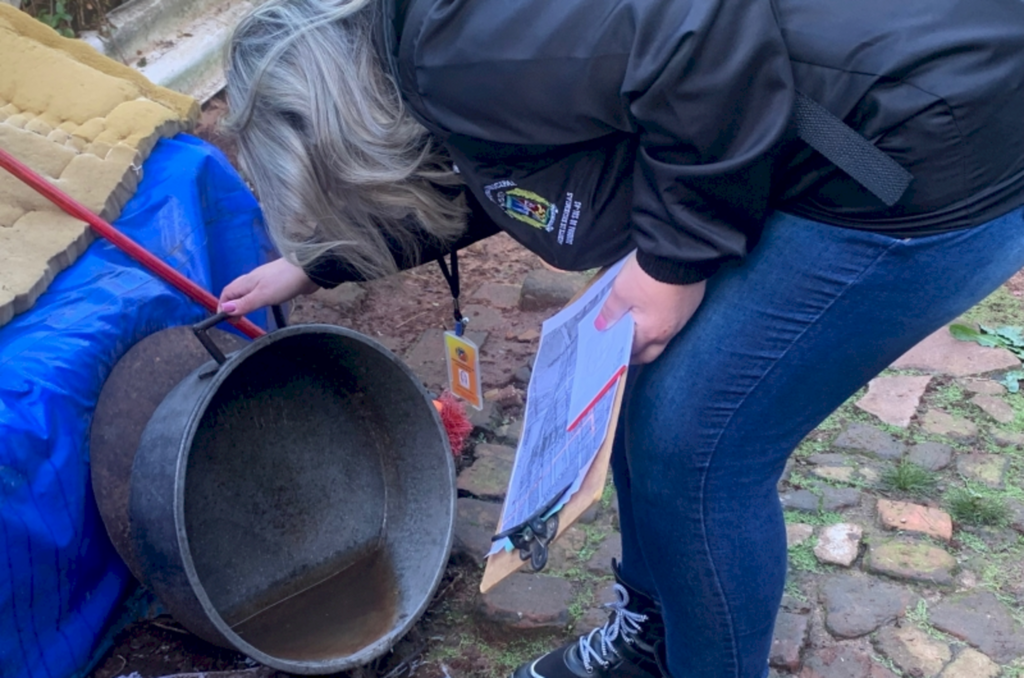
(120, 240)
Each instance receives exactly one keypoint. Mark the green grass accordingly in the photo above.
(819, 519)
(505, 660)
(812, 444)
(802, 558)
(887, 663)
(594, 536)
(805, 482)
(949, 397)
(970, 507)
(793, 589)
(973, 542)
(581, 602)
(999, 308)
(909, 478)
(921, 618)
(918, 615)
(1014, 670)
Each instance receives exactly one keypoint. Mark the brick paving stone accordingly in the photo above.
(1016, 510)
(800, 500)
(879, 671)
(894, 399)
(1008, 438)
(543, 289)
(940, 353)
(596, 615)
(983, 621)
(788, 641)
(988, 469)
(870, 440)
(839, 498)
(527, 602)
(591, 619)
(600, 563)
(525, 337)
(590, 515)
(795, 605)
(487, 418)
(492, 450)
(869, 474)
(911, 561)
(985, 386)
(942, 423)
(829, 459)
(902, 515)
(966, 579)
(798, 533)
(971, 664)
(511, 431)
(564, 552)
(508, 396)
(839, 544)
(488, 476)
(346, 296)
(498, 295)
(995, 407)
(475, 523)
(855, 605)
(912, 650)
(841, 661)
(843, 474)
(482, 318)
(931, 455)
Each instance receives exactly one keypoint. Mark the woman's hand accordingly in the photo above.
(659, 309)
(273, 283)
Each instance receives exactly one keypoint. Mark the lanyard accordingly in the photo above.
(452, 278)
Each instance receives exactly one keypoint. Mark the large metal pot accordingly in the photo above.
(295, 501)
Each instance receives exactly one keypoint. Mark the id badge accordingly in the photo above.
(463, 360)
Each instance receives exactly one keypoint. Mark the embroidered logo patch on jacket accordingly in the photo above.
(526, 206)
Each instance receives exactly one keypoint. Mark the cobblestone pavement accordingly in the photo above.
(904, 511)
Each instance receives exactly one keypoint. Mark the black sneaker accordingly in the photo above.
(626, 646)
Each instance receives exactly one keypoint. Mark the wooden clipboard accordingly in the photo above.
(504, 563)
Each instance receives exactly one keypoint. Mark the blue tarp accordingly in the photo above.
(61, 581)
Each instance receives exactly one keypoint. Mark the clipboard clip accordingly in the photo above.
(533, 536)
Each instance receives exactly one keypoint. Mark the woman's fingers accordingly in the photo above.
(233, 294)
(659, 309)
(273, 283)
(615, 306)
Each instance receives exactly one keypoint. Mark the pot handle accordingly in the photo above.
(200, 328)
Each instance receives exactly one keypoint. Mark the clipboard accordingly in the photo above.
(503, 563)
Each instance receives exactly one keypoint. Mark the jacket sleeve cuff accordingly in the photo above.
(329, 271)
(676, 272)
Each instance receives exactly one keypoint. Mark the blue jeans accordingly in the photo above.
(782, 339)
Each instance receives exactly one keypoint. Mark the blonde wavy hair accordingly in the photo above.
(338, 164)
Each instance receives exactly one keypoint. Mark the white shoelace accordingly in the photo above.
(597, 645)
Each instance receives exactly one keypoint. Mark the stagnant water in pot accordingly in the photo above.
(331, 618)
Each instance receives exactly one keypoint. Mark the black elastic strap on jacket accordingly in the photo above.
(452, 278)
(849, 151)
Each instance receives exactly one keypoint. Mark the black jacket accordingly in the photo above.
(587, 129)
